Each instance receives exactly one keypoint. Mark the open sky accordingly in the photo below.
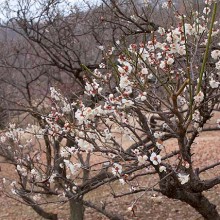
(13, 4)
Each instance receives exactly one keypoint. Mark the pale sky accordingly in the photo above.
(13, 4)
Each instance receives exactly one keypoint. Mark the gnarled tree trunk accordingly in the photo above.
(201, 204)
(76, 209)
(185, 193)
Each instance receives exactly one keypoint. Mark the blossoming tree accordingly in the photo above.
(166, 86)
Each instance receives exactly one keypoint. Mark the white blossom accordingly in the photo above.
(143, 98)
(117, 42)
(150, 76)
(52, 178)
(155, 159)
(3, 139)
(181, 101)
(170, 61)
(183, 178)
(162, 169)
(188, 28)
(199, 97)
(217, 65)
(162, 64)
(127, 103)
(122, 181)
(215, 54)
(142, 159)
(158, 135)
(181, 50)
(161, 30)
(54, 94)
(206, 10)
(101, 47)
(64, 152)
(116, 169)
(22, 170)
(165, 5)
(74, 167)
(144, 71)
(124, 82)
(84, 145)
(213, 84)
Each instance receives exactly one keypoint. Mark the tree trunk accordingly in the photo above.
(202, 205)
(76, 209)
(172, 189)
(195, 199)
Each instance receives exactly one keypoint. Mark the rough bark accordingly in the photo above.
(202, 205)
(76, 209)
(184, 193)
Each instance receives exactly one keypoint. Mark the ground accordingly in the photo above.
(206, 151)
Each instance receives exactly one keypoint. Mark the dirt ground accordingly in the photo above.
(207, 151)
